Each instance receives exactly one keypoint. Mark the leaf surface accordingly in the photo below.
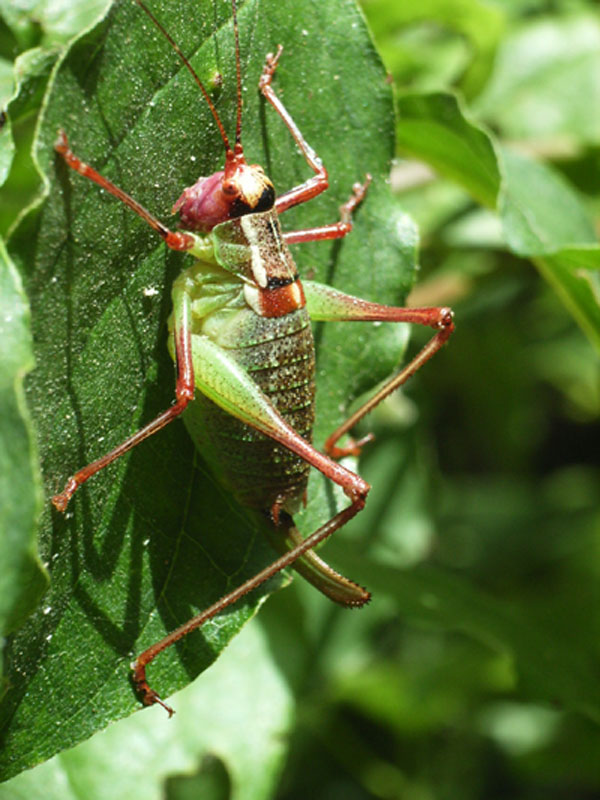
(153, 539)
(135, 757)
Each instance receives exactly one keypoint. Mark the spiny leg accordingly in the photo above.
(148, 695)
(327, 304)
(219, 377)
(441, 318)
(313, 186)
(173, 239)
(212, 370)
(184, 392)
(336, 230)
(337, 587)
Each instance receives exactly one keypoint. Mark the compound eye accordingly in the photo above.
(267, 198)
(264, 202)
(239, 208)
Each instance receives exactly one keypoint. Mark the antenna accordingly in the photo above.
(238, 71)
(211, 105)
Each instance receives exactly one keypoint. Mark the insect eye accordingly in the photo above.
(266, 201)
(267, 198)
(239, 207)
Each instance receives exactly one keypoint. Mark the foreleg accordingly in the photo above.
(319, 183)
(337, 230)
(173, 239)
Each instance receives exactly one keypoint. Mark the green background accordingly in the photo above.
(473, 673)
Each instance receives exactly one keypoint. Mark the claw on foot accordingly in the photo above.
(353, 448)
(61, 501)
(270, 67)
(148, 696)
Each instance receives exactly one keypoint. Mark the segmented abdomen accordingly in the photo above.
(278, 353)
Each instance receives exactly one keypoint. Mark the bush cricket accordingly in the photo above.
(240, 336)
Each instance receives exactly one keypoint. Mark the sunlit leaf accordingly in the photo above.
(153, 538)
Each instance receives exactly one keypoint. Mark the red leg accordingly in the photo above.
(219, 376)
(185, 376)
(327, 304)
(184, 392)
(338, 229)
(149, 696)
(314, 186)
(173, 239)
(440, 318)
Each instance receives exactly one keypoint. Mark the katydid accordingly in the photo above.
(241, 339)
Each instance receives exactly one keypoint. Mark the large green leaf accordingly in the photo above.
(153, 538)
(133, 759)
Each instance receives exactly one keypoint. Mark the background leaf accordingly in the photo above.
(435, 41)
(22, 580)
(31, 35)
(140, 764)
(433, 128)
(540, 214)
(540, 211)
(542, 86)
(44, 23)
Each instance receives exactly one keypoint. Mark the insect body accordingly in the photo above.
(241, 338)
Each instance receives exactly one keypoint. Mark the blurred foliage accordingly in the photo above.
(472, 674)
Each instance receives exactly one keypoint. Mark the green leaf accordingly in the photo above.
(573, 272)
(540, 211)
(60, 22)
(22, 578)
(476, 26)
(542, 216)
(6, 81)
(433, 127)
(553, 668)
(47, 22)
(30, 73)
(545, 82)
(136, 757)
(153, 539)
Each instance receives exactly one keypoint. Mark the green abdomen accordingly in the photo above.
(278, 353)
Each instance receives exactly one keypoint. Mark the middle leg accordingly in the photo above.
(184, 392)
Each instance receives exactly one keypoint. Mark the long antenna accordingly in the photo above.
(238, 70)
(185, 61)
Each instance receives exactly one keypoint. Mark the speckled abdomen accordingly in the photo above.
(278, 353)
